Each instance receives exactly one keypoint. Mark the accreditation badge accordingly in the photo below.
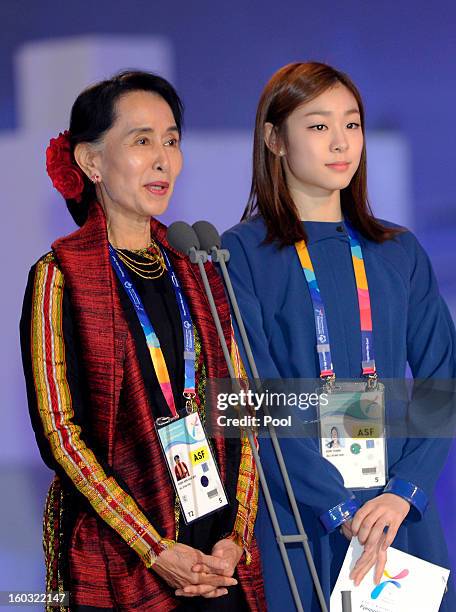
(192, 467)
(352, 432)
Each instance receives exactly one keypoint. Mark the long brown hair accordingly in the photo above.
(288, 88)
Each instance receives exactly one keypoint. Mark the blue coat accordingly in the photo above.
(411, 324)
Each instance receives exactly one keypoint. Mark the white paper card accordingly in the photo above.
(408, 584)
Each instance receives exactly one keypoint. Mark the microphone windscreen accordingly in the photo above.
(182, 237)
(208, 235)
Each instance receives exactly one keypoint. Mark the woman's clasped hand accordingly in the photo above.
(193, 573)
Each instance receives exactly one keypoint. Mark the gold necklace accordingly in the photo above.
(153, 267)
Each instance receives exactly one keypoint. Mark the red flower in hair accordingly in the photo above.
(65, 175)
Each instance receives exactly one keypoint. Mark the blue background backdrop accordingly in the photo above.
(400, 54)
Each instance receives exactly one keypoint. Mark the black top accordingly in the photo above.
(159, 300)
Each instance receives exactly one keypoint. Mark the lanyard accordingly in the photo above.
(153, 344)
(321, 323)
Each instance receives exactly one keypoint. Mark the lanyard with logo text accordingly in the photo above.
(191, 463)
(351, 413)
(153, 344)
(321, 323)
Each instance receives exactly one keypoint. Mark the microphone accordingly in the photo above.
(209, 240)
(208, 235)
(182, 237)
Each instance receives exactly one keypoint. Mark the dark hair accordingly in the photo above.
(288, 88)
(93, 113)
(176, 457)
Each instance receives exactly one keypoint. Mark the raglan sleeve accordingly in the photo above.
(431, 354)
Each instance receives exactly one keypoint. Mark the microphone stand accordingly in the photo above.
(221, 256)
(200, 257)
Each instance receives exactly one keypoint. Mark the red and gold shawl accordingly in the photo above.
(109, 552)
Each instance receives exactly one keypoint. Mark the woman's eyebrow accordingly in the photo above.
(327, 113)
(136, 130)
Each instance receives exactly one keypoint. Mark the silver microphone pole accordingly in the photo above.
(199, 257)
(205, 231)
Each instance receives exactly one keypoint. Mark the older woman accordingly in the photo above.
(106, 359)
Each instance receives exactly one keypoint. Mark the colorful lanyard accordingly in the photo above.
(321, 323)
(153, 344)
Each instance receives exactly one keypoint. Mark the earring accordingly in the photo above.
(95, 178)
(281, 152)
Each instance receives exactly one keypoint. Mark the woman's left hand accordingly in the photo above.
(369, 523)
(373, 556)
(225, 549)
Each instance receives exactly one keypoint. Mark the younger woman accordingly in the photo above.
(306, 231)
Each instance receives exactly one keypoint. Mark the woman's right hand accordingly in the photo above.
(175, 564)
